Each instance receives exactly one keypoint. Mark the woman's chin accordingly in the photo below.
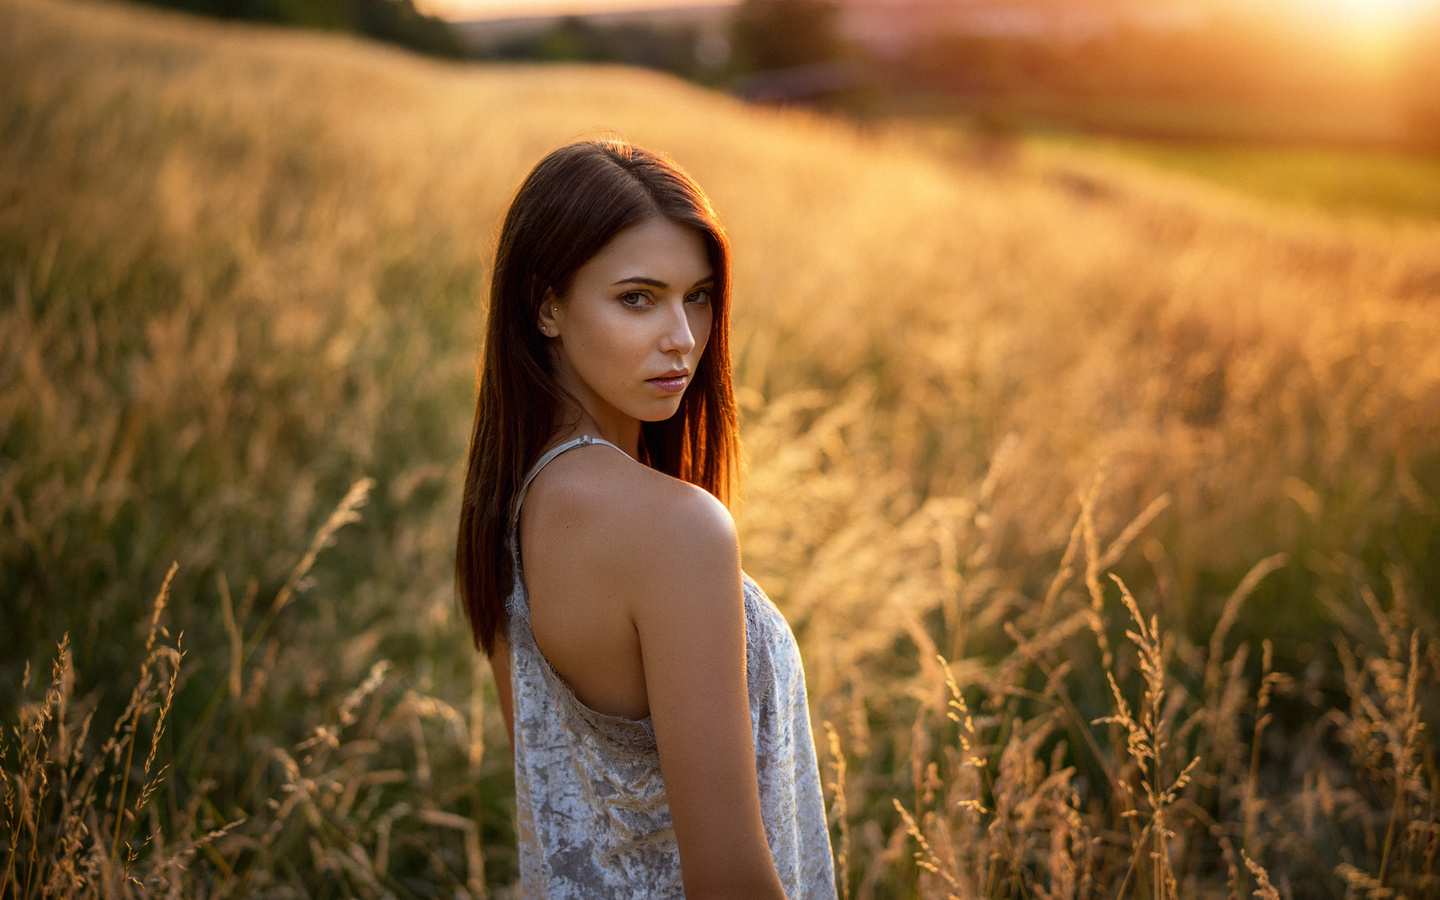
(661, 412)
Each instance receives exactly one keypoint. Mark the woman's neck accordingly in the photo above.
(623, 434)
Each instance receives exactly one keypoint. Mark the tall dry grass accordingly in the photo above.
(1103, 504)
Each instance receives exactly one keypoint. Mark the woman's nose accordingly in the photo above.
(678, 337)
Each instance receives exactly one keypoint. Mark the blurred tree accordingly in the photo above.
(399, 22)
(779, 34)
(393, 21)
(635, 43)
(571, 39)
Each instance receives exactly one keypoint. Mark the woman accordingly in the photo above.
(654, 696)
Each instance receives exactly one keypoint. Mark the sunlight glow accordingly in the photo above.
(1376, 26)
(1374, 12)
(1377, 29)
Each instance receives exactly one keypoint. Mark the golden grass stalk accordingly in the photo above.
(839, 809)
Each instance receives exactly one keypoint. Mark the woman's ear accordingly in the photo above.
(545, 318)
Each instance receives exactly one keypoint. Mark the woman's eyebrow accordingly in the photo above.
(657, 283)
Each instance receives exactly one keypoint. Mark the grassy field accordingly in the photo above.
(1377, 183)
(1340, 182)
(1103, 502)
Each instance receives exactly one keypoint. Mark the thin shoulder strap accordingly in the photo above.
(583, 440)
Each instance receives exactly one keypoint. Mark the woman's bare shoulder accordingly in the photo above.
(628, 520)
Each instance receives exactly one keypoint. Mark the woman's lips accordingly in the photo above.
(669, 384)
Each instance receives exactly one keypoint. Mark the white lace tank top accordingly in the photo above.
(593, 819)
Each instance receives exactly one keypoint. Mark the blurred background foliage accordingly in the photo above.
(982, 368)
(1210, 69)
(393, 21)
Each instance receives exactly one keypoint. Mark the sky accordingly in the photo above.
(1362, 13)
(1359, 15)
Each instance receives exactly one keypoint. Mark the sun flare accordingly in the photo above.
(1378, 31)
(1389, 18)
(1376, 11)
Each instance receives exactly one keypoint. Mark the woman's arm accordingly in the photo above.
(500, 666)
(689, 612)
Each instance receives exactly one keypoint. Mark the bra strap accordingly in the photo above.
(583, 440)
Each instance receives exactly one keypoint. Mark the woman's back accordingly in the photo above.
(594, 527)
(595, 816)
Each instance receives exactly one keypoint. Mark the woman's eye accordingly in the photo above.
(702, 296)
(634, 299)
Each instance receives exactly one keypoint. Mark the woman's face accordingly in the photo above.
(628, 337)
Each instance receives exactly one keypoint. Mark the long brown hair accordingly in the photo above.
(570, 206)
